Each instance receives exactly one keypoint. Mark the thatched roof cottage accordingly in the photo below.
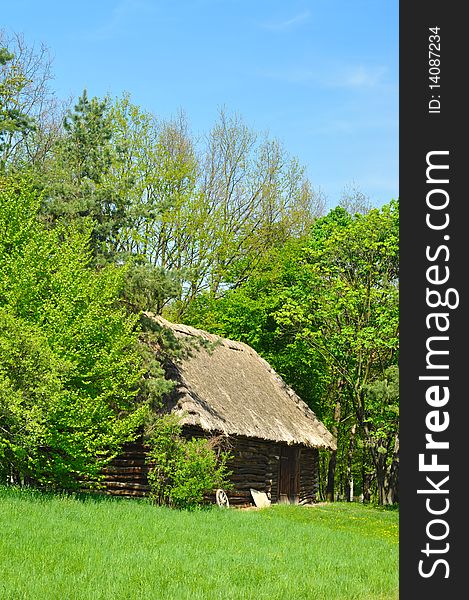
(225, 388)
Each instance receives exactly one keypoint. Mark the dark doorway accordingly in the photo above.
(288, 475)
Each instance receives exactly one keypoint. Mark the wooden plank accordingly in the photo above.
(125, 469)
(126, 462)
(127, 485)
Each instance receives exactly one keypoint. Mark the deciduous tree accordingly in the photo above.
(29, 112)
(70, 370)
(324, 312)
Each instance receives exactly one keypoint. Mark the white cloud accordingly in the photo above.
(290, 23)
(352, 77)
(357, 77)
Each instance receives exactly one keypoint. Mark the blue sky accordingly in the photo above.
(319, 75)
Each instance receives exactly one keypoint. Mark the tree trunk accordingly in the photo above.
(392, 479)
(349, 482)
(333, 456)
(380, 480)
(331, 476)
(381, 469)
(366, 478)
(379, 463)
(322, 480)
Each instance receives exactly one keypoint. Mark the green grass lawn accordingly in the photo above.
(65, 548)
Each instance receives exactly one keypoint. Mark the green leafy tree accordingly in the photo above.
(70, 371)
(153, 173)
(256, 197)
(324, 312)
(249, 313)
(349, 313)
(200, 214)
(30, 389)
(188, 217)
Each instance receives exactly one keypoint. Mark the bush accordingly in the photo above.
(183, 471)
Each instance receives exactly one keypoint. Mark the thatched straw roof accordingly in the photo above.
(228, 388)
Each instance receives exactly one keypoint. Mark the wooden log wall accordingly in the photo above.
(308, 484)
(126, 475)
(255, 464)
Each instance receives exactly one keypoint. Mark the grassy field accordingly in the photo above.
(65, 548)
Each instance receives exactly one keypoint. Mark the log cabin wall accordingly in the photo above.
(126, 475)
(309, 468)
(255, 464)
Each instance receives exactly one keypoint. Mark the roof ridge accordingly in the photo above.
(195, 332)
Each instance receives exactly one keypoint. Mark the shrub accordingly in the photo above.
(183, 471)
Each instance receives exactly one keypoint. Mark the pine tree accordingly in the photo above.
(77, 186)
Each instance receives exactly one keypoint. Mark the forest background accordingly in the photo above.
(107, 210)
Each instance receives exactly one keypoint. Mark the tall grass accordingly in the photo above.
(66, 548)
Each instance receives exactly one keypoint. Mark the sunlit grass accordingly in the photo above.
(61, 547)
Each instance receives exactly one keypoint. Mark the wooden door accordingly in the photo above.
(288, 487)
